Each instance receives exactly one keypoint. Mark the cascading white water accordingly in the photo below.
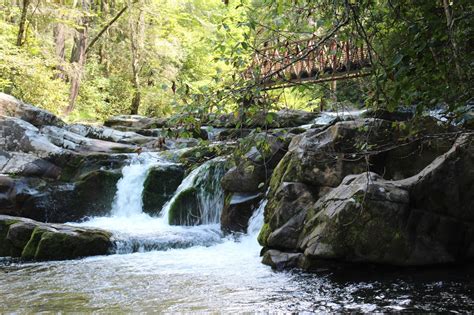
(325, 118)
(210, 196)
(256, 220)
(135, 230)
(128, 200)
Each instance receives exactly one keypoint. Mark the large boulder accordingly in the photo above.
(40, 199)
(160, 185)
(245, 183)
(134, 122)
(10, 106)
(20, 136)
(285, 214)
(256, 166)
(238, 208)
(75, 142)
(416, 220)
(109, 134)
(31, 240)
(199, 199)
(323, 157)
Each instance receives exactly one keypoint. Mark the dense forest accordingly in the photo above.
(90, 59)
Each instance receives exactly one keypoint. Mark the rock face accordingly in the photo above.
(245, 183)
(282, 119)
(52, 174)
(133, 122)
(31, 240)
(90, 195)
(109, 134)
(200, 197)
(238, 208)
(416, 212)
(159, 187)
(10, 106)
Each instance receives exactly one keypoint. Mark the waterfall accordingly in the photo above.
(256, 221)
(128, 199)
(202, 187)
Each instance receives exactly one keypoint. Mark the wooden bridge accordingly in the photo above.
(308, 61)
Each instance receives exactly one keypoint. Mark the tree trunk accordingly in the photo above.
(137, 37)
(22, 24)
(449, 23)
(78, 58)
(59, 42)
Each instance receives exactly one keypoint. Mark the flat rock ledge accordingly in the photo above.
(31, 240)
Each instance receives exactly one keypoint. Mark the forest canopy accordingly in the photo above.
(90, 59)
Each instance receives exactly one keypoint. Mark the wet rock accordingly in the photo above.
(75, 142)
(159, 187)
(202, 153)
(286, 213)
(10, 106)
(368, 219)
(134, 122)
(109, 134)
(281, 260)
(293, 118)
(20, 233)
(254, 170)
(396, 115)
(201, 198)
(245, 178)
(38, 199)
(282, 119)
(31, 240)
(238, 208)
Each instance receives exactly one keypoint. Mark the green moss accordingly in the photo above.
(49, 245)
(287, 170)
(6, 247)
(185, 208)
(30, 250)
(227, 199)
(264, 234)
(201, 154)
(159, 187)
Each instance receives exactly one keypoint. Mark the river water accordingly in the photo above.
(163, 268)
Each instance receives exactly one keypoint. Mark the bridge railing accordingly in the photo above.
(307, 60)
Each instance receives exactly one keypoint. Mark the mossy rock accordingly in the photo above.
(47, 244)
(29, 252)
(72, 245)
(159, 187)
(203, 193)
(263, 235)
(185, 208)
(75, 165)
(91, 195)
(203, 153)
(6, 246)
(98, 189)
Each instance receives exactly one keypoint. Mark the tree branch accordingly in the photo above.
(105, 28)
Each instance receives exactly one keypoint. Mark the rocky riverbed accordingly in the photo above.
(360, 187)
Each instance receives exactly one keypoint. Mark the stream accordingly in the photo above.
(163, 268)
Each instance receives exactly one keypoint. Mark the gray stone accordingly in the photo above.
(10, 106)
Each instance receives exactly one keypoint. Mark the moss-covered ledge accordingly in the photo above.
(31, 240)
